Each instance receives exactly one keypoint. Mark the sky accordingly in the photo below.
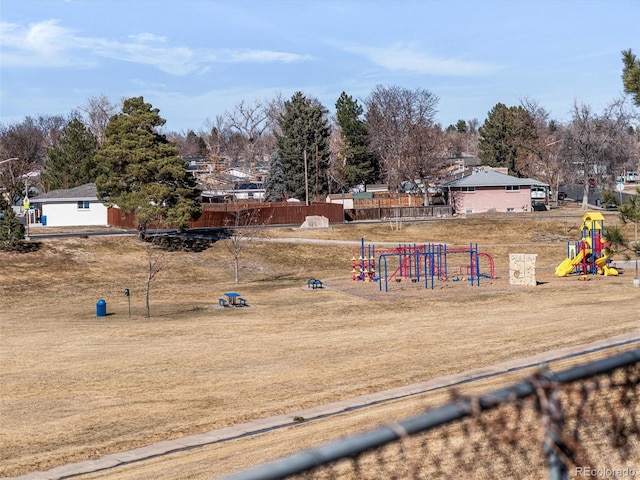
(196, 59)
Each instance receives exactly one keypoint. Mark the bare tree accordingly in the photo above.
(539, 154)
(189, 144)
(398, 119)
(253, 123)
(426, 154)
(275, 109)
(462, 139)
(243, 226)
(597, 145)
(27, 141)
(156, 261)
(97, 113)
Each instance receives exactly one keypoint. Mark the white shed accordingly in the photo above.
(78, 206)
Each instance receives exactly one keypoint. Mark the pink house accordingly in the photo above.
(490, 191)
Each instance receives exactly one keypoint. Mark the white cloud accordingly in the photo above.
(148, 37)
(400, 57)
(43, 44)
(266, 56)
(46, 44)
(172, 60)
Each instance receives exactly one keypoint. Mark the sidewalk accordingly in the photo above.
(256, 427)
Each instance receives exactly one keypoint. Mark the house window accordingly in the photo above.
(511, 209)
(83, 205)
(468, 189)
(512, 188)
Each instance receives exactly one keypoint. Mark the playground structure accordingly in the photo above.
(428, 263)
(364, 267)
(588, 256)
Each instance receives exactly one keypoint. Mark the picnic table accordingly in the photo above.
(235, 300)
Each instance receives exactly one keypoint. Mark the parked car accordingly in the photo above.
(632, 177)
(592, 183)
(562, 195)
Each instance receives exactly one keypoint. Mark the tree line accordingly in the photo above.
(391, 136)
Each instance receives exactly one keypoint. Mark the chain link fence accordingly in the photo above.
(580, 422)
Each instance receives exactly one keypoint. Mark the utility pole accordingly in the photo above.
(306, 179)
(26, 206)
(316, 197)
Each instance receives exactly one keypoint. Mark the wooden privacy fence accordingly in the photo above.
(392, 213)
(225, 214)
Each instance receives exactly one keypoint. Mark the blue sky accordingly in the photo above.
(196, 59)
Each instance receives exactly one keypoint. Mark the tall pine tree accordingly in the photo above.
(71, 162)
(274, 184)
(631, 75)
(503, 136)
(141, 172)
(304, 133)
(359, 162)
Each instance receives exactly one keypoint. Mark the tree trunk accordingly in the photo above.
(636, 251)
(236, 267)
(585, 196)
(146, 295)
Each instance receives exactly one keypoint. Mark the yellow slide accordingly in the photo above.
(602, 264)
(569, 264)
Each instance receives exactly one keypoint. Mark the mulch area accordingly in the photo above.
(406, 289)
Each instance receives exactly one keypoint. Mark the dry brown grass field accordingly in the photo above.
(75, 386)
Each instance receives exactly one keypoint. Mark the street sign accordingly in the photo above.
(620, 186)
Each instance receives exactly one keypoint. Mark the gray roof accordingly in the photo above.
(83, 192)
(491, 178)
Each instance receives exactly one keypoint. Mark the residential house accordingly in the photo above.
(492, 191)
(78, 206)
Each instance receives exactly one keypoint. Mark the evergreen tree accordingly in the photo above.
(274, 185)
(503, 136)
(359, 161)
(461, 126)
(304, 133)
(71, 162)
(631, 75)
(11, 230)
(628, 212)
(140, 170)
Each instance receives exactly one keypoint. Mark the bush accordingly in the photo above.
(11, 231)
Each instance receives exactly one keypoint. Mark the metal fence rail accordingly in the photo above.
(580, 422)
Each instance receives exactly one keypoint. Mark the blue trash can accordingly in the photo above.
(43, 220)
(101, 308)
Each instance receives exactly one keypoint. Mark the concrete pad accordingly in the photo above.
(159, 448)
(79, 468)
(271, 422)
(315, 222)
